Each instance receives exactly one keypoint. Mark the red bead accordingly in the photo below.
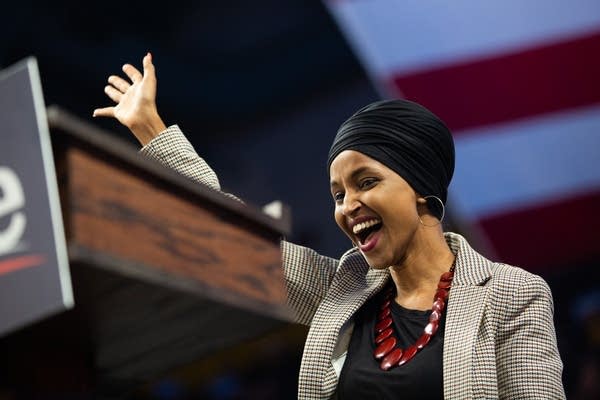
(438, 305)
(408, 355)
(422, 341)
(383, 335)
(385, 347)
(383, 324)
(435, 316)
(441, 294)
(391, 359)
(386, 304)
(444, 284)
(431, 328)
(447, 276)
(383, 313)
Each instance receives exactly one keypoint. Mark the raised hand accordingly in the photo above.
(135, 101)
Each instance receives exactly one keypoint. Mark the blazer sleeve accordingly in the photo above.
(307, 273)
(172, 149)
(528, 361)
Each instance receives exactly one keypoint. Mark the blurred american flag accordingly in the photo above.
(518, 83)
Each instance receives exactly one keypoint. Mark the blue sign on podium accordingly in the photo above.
(35, 280)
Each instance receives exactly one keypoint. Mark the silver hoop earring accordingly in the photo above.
(443, 211)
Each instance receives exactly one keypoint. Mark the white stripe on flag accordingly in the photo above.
(522, 163)
(392, 37)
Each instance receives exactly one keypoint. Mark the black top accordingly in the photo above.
(420, 378)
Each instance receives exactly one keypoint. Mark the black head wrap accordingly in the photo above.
(408, 139)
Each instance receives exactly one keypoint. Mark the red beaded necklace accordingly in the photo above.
(385, 341)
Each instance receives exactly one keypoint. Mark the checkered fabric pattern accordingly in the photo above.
(499, 338)
(173, 149)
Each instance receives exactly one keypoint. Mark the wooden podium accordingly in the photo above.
(165, 271)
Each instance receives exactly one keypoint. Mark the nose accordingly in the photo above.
(351, 205)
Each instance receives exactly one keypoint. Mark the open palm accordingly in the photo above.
(135, 101)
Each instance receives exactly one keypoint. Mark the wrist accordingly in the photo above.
(148, 129)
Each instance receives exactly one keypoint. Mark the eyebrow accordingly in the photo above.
(354, 174)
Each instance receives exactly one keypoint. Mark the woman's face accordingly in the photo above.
(374, 207)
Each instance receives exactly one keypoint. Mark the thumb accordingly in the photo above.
(148, 66)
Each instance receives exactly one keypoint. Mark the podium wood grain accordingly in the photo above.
(171, 239)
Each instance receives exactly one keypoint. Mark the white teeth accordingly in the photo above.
(364, 225)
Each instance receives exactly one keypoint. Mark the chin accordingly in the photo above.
(376, 264)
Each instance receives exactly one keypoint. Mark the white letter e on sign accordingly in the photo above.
(12, 200)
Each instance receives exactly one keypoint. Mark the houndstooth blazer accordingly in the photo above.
(499, 338)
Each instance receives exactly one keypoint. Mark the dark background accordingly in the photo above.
(260, 89)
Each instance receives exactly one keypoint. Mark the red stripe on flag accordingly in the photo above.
(492, 90)
(14, 264)
(550, 235)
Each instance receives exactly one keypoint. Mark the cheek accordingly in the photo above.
(399, 212)
(339, 220)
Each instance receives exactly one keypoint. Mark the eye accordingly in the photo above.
(367, 183)
(338, 196)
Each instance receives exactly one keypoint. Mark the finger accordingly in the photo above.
(118, 82)
(104, 112)
(132, 72)
(148, 66)
(113, 93)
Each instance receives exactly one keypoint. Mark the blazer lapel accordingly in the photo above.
(463, 319)
(353, 284)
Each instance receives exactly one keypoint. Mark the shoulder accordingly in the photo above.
(296, 254)
(516, 279)
(475, 268)
(507, 285)
(353, 260)
(519, 295)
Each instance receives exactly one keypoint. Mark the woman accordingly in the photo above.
(410, 311)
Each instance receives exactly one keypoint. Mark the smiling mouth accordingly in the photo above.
(363, 230)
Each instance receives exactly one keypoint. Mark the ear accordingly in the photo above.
(422, 207)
